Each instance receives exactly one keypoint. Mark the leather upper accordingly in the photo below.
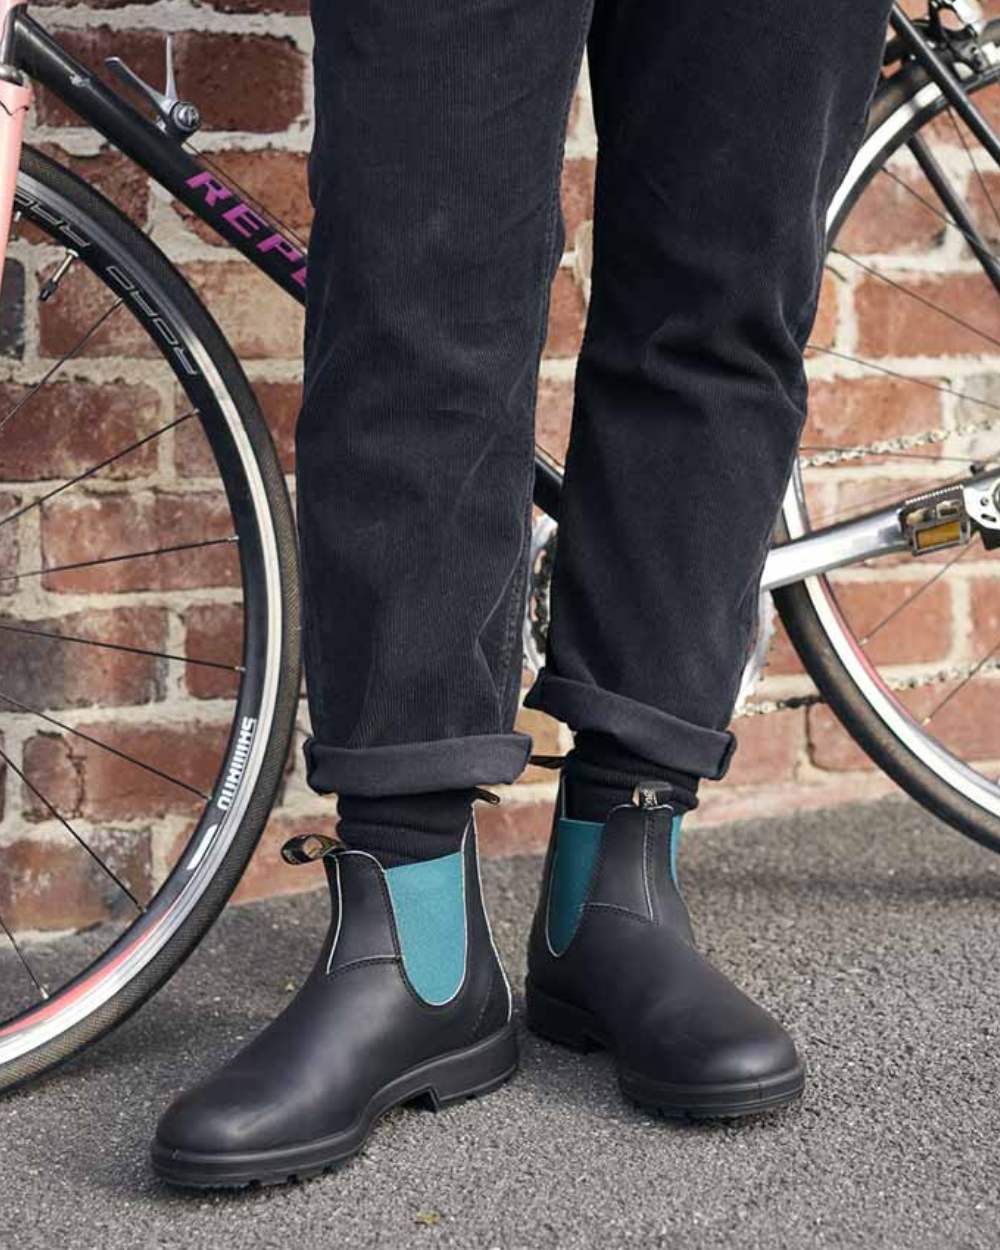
(356, 1024)
(632, 965)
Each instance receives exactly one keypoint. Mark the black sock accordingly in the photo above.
(403, 828)
(601, 774)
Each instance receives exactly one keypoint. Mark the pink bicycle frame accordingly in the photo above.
(15, 101)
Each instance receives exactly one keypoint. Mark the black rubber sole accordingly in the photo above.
(437, 1083)
(570, 1026)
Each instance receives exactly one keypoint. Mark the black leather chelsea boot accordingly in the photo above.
(612, 963)
(407, 1002)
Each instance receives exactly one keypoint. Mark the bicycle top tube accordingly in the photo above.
(28, 49)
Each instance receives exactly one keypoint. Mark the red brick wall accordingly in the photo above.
(259, 135)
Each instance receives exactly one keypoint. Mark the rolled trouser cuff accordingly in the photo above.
(655, 735)
(417, 767)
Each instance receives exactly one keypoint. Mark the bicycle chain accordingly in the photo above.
(905, 442)
(765, 707)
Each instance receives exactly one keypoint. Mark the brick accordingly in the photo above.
(862, 410)
(69, 427)
(12, 326)
(113, 175)
(768, 748)
(920, 633)
(53, 771)
(50, 674)
(567, 313)
(273, 180)
(267, 874)
(213, 631)
(782, 658)
(966, 725)
(9, 544)
(577, 196)
(260, 324)
(261, 6)
(545, 741)
(280, 402)
(890, 220)
(90, 527)
(208, 63)
(553, 416)
(824, 331)
(983, 201)
(830, 746)
(291, 7)
(891, 323)
(80, 302)
(514, 828)
(984, 607)
(53, 884)
(83, 779)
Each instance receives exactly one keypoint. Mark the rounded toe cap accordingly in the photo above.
(212, 1118)
(728, 1042)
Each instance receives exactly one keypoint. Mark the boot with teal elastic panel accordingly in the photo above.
(612, 963)
(406, 1002)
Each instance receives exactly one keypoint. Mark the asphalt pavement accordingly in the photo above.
(874, 933)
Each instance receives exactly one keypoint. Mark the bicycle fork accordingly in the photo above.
(15, 101)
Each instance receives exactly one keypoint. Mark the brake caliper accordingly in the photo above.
(958, 25)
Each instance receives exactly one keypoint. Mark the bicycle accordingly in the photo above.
(227, 545)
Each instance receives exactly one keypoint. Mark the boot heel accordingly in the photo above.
(472, 1072)
(560, 1022)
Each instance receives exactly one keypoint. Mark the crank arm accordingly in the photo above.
(821, 551)
(948, 516)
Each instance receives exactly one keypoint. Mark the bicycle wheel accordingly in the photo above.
(904, 647)
(148, 621)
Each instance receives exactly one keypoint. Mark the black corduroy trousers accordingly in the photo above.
(723, 129)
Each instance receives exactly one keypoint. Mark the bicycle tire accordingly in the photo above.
(904, 104)
(211, 864)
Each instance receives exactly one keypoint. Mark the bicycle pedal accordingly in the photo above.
(936, 521)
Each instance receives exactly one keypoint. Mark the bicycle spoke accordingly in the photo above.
(77, 347)
(118, 646)
(980, 400)
(20, 954)
(932, 208)
(900, 491)
(78, 733)
(920, 299)
(73, 833)
(911, 598)
(960, 218)
(88, 473)
(976, 668)
(117, 559)
(972, 161)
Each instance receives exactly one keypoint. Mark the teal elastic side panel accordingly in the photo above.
(675, 841)
(429, 905)
(577, 844)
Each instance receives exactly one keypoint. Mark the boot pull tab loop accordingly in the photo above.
(653, 794)
(309, 847)
(547, 761)
(485, 796)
